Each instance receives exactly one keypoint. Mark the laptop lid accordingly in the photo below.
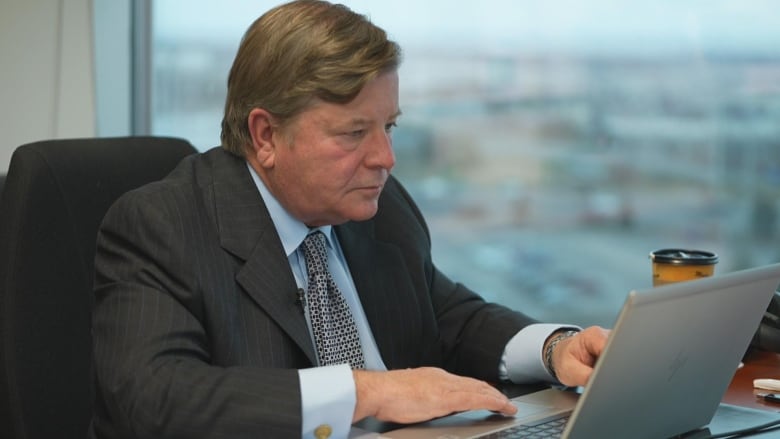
(669, 359)
(671, 356)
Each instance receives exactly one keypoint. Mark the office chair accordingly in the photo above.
(56, 193)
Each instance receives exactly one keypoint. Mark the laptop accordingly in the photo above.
(668, 362)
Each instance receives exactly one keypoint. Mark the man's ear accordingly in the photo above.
(261, 128)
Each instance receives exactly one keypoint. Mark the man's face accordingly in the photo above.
(331, 162)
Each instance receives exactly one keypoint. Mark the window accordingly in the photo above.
(551, 144)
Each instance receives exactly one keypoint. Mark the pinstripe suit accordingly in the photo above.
(197, 331)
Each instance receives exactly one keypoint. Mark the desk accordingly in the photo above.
(758, 364)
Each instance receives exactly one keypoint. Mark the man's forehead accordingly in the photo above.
(377, 100)
(333, 113)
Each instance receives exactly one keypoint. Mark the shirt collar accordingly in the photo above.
(291, 231)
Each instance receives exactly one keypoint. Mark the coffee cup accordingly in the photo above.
(677, 265)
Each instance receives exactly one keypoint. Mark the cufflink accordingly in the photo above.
(323, 431)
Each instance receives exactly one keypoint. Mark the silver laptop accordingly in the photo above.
(669, 360)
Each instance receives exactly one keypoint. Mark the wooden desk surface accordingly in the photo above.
(758, 364)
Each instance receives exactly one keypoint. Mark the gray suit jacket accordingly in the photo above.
(197, 332)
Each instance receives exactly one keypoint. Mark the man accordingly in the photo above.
(206, 321)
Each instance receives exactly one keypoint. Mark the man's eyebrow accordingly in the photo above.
(364, 121)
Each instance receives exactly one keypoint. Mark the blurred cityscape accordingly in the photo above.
(547, 179)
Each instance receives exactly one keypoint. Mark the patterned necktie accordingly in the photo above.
(335, 332)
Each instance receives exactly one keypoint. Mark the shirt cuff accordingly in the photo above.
(522, 361)
(327, 399)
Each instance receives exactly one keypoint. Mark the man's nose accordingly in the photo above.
(381, 154)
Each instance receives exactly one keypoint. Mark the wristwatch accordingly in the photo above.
(556, 338)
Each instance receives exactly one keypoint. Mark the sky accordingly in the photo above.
(580, 25)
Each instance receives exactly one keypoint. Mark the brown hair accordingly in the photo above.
(298, 51)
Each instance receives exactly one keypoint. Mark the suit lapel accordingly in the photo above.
(246, 230)
(386, 294)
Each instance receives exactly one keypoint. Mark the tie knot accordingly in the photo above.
(315, 240)
(315, 253)
(314, 244)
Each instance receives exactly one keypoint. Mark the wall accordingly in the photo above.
(46, 77)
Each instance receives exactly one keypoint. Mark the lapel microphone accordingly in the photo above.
(300, 299)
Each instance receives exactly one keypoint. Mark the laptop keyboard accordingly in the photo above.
(546, 428)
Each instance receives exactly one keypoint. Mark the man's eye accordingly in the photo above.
(356, 133)
(389, 127)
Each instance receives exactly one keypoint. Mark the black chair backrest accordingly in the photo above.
(56, 194)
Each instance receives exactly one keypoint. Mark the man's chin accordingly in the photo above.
(365, 213)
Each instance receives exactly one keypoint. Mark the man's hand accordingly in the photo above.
(573, 358)
(415, 395)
